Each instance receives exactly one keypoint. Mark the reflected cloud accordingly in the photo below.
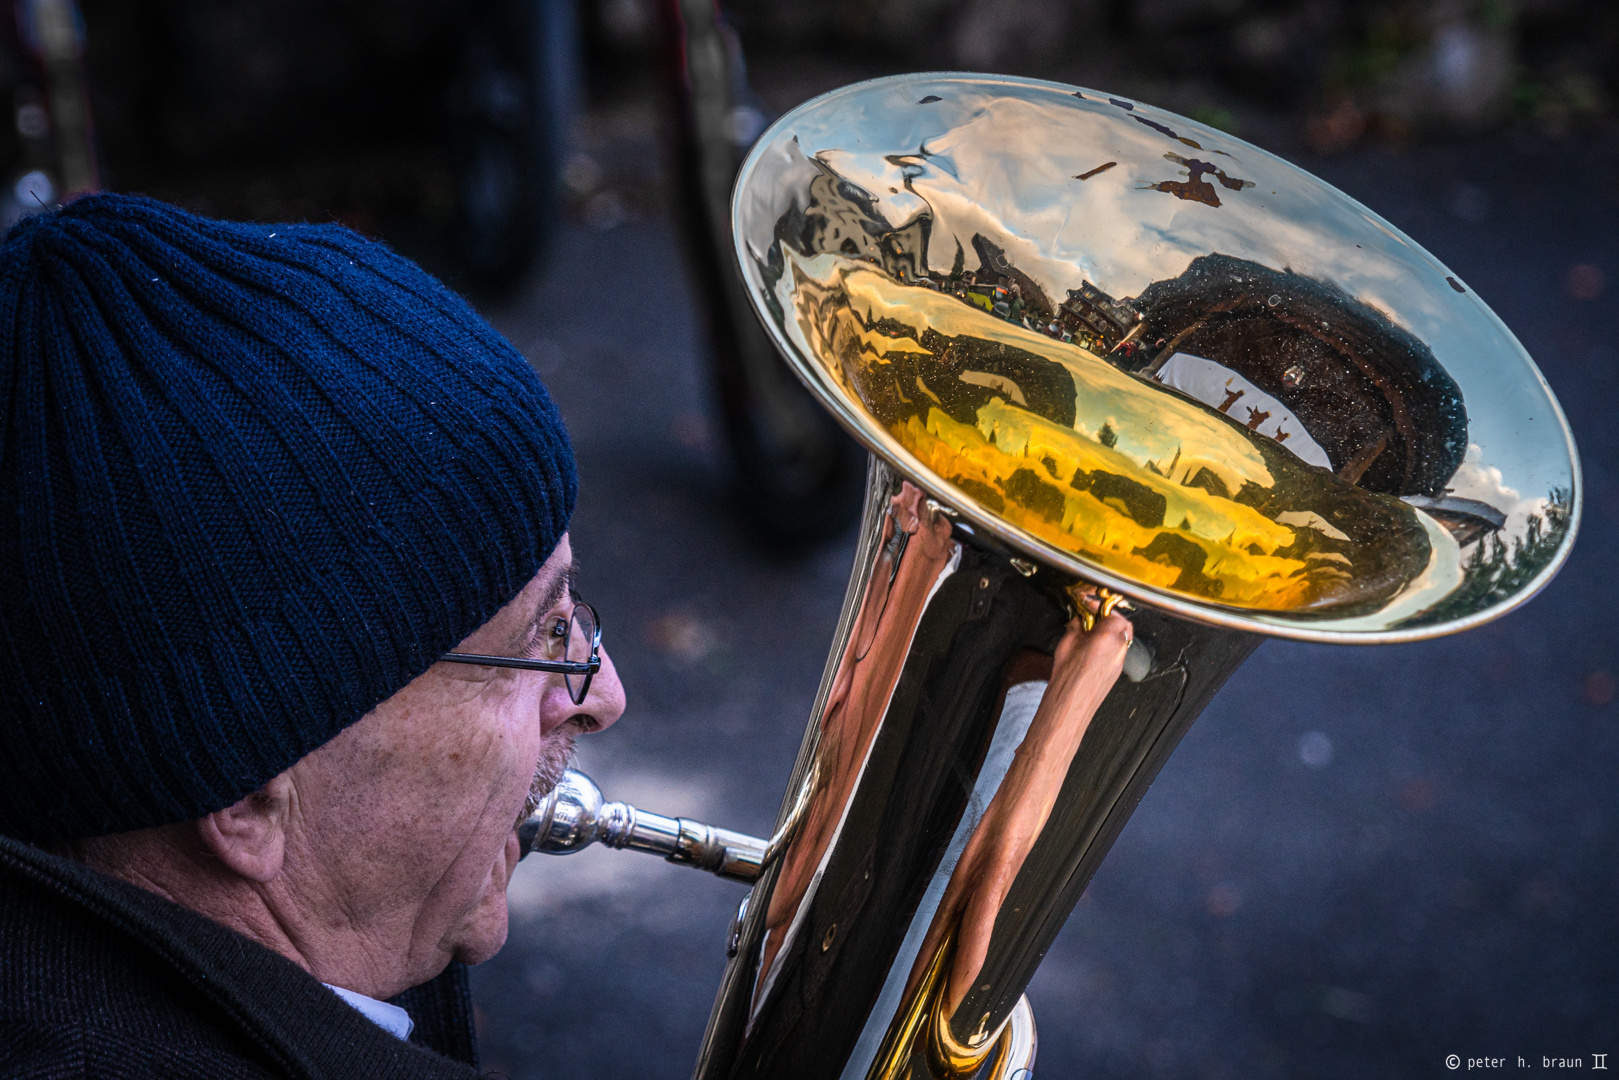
(1353, 352)
(1487, 484)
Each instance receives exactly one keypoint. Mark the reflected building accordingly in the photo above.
(1332, 395)
(1097, 321)
(1270, 513)
(1261, 346)
(841, 217)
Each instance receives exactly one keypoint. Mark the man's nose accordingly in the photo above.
(605, 702)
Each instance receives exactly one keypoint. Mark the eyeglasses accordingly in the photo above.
(579, 648)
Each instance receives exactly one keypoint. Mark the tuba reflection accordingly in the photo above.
(976, 749)
(1137, 393)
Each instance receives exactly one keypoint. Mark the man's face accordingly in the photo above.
(409, 816)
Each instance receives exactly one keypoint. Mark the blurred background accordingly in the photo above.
(1357, 863)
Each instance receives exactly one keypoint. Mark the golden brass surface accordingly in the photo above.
(1259, 405)
(918, 1015)
(924, 1024)
(1144, 482)
(1106, 600)
(949, 1056)
(1125, 417)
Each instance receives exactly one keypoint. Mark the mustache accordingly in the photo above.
(556, 758)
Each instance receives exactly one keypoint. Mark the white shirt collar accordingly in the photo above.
(390, 1018)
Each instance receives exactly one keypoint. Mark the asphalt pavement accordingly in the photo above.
(1358, 862)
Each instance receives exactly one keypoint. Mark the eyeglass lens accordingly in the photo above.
(581, 642)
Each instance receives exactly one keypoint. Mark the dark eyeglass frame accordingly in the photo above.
(587, 668)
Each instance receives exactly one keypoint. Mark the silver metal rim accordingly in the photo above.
(901, 461)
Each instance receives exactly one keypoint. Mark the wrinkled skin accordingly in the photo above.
(385, 854)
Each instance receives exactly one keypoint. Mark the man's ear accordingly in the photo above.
(250, 838)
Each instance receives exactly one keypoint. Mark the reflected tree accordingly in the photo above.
(1497, 569)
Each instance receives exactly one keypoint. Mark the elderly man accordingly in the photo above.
(259, 487)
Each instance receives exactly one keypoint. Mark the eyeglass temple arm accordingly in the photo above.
(555, 667)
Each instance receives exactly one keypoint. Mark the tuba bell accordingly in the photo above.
(1137, 394)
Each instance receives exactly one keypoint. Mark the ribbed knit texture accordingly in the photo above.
(253, 480)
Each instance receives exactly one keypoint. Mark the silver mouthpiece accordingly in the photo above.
(575, 815)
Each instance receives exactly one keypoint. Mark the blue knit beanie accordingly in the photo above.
(253, 480)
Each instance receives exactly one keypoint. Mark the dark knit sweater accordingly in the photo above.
(102, 979)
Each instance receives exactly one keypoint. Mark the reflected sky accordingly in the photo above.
(1079, 187)
(1000, 158)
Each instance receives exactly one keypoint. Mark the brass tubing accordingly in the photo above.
(963, 774)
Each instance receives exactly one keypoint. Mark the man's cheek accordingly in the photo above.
(482, 933)
(524, 735)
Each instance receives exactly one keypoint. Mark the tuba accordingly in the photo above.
(1137, 394)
